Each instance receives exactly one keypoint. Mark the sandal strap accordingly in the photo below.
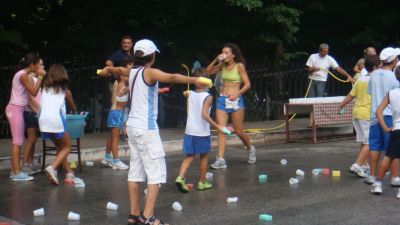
(133, 217)
(153, 219)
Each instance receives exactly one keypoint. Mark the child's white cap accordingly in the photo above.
(389, 54)
(146, 46)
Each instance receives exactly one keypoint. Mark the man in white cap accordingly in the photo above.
(147, 162)
(381, 82)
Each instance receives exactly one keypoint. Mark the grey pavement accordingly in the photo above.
(315, 200)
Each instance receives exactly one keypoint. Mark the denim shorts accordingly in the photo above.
(224, 104)
(31, 120)
(115, 119)
(379, 139)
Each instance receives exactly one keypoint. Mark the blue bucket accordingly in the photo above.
(76, 125)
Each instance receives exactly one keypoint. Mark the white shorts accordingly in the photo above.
(362, 130)
(147, 156)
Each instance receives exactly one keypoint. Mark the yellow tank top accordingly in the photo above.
(231, 75)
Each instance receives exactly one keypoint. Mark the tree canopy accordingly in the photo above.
(72, 29)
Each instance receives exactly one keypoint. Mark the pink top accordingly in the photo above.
(19, 95)
(37, 98)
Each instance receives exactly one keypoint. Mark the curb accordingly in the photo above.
(174, 146)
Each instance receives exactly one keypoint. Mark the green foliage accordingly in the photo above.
(247, 4)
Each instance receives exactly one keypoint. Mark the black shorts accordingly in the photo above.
(30, 119)
(393, 150)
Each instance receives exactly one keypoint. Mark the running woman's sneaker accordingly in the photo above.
(252, 155)
(395, 181)
(119, 165)
(52, 174)
(358, 170)
(204, 185)
(377, 188)
(21, 176)
(219, 164)
(107, 160)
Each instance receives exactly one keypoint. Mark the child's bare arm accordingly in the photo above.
(379, 115)
(70, 101)
(206, 113)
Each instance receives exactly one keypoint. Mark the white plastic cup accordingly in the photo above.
(300, 172)
(209, 176)
(38, 212)
(177, 206)
(89, 163)
(232, 199)
(73, 216)
(293, 181)
(283, 161)
(112, 206)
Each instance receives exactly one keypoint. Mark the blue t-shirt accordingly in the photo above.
(118, 56)
(380, 83)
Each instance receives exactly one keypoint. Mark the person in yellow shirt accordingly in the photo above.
(361, 113)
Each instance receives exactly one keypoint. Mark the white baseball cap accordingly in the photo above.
(146, 46)
(389, 54)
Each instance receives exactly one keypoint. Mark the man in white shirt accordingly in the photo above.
(317, 67)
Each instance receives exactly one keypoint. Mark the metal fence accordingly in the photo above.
(272, 86)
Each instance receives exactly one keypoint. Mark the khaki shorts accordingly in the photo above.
(362, 130)
(147, 156)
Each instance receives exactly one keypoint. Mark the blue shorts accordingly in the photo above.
(58, 135)
(379, 139)
(196, 145)
(115, 119)
(224, 104)
(47, 135)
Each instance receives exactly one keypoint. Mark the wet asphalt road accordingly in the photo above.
(315, 200)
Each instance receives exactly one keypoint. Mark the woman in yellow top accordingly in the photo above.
(230, 102)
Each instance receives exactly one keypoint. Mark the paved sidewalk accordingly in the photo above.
(93, 145)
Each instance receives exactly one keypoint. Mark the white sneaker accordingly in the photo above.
(252, 155)
(52, 174)
(370, 180)
(107, 161)
(358, 170)
(21, 176)
(219, 164)
(377, 188)
(119, 165)
(395, 181)
(28, 169)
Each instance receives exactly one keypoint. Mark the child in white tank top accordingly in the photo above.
(197, 135)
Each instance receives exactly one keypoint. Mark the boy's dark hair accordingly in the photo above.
(126, 61)
(140, 60)
(56, 78)
(371, 61)
(200, 72)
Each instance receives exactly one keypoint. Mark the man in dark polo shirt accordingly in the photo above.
(122, 53)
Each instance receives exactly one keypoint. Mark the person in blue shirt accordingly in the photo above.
(122, 53)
